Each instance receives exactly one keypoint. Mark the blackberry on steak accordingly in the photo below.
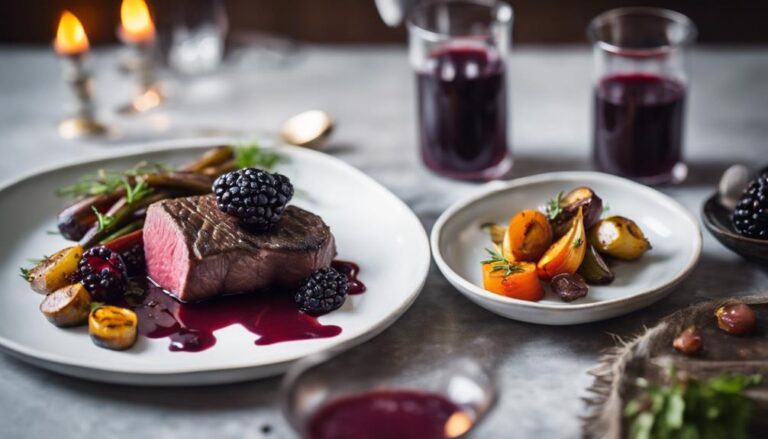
(750, 218)
(103, 273)
(322, 291)
(257, 197)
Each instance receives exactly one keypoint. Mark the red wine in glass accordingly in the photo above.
(462, 110)
(639, 126)
(387, 414)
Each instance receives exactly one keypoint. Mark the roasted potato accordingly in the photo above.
(113, 327)
(56, 271)
(67, 306)
(619, 237)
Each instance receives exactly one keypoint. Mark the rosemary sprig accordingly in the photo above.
(105, 181)
(104, 221)
(25, 273)
(254, 156)
(134, 194)
(501, 263)
(554, 208)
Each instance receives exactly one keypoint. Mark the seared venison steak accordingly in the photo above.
(195, 251)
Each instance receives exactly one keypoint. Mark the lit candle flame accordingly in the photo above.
(70, 36)
(137, 25)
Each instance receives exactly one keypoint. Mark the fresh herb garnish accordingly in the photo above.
(254, 156)
(577, 242)
(105, 181)
(96, 305)
(25, 273)
(52, 232)
(104, 221)
(553, 206)
(606, 208)
(711, 409)
(501, 263)
(134, 194)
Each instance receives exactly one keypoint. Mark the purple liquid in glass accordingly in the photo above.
(384, 414)
(639, 125)
(462, 106)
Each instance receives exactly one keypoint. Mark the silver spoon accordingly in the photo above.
(310, 129)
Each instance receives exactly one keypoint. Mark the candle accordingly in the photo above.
(70, 39)
(136, 23)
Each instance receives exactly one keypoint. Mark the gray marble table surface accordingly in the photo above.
(541, 370)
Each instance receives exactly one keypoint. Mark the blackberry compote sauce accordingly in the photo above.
(272, 315)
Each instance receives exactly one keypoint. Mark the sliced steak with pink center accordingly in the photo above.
(195, 251)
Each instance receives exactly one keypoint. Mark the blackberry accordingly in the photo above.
(322, 292)
(750, 218)
(256, 197)
(102, 272)
(131, 250)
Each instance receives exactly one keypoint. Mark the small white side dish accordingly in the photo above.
(372, 228)
(458, 246)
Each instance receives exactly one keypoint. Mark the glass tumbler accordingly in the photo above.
(315, 387)
(459, 50)
(640, 89)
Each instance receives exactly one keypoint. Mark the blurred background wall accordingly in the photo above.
(357, 21)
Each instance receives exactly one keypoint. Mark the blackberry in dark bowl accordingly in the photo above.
(750, 218)
(256, 197)
(323, 291)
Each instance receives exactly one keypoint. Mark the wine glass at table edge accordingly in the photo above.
(641, 85)
(459, 50)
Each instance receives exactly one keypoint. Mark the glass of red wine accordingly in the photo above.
(641, 85)
(459, 50)
(359, 393)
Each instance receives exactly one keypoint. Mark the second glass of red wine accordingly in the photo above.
(459, 50)
(641, 86)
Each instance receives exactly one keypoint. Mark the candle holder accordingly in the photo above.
(83, 123)
(149, 94)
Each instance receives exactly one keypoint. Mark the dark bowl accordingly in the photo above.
(717, 219)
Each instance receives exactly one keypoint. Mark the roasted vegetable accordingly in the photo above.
(567, 254)
(562, 209)
(619, 237)
(528, 236)
(56, 271)
(212, 157)
(120, 214)
(113, 327)
(512, 279)
(67, 306)
(495, 232)
(569, 287)
(594, 269)
(74, 221)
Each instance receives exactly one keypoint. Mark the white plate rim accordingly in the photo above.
(20, 351)
(496, 187)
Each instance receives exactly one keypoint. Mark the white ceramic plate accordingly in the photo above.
(458, 246)
(372, 227)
